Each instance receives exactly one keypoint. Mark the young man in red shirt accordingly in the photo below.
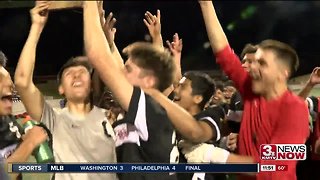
(272, 114)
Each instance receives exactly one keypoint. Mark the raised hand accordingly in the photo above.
(39, 14)
(101, 12)
(315, 77)
(109, 29)
(176, 45)
(107, 24)
(153, 24)
(176, 48)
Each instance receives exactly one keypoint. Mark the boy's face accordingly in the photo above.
(183, 95)
(6, 92)
(76, 83)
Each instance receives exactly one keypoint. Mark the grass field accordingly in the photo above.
(316, 92)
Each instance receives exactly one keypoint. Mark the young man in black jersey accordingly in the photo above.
(188, 115)
(193, 92)
(145, 134)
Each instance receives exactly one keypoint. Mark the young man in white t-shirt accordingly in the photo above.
(80, 131)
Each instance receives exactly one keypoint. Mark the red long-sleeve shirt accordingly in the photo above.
(279, 121)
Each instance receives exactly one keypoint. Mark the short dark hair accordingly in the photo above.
(285, 53)
(202, 84)
(72, 62)
(229, 83)
(155, 59)
(248, 49)
(3, 59)
(219, 85)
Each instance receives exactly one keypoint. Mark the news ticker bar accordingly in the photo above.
(132, 168)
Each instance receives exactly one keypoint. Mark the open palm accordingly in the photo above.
(107, 24)
(153, 23)
(315, 76)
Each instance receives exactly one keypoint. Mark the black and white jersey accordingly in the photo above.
(213, 116)
(313, 105)
(10, 135)
(145, 135)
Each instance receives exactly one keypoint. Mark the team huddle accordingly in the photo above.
(146, 111)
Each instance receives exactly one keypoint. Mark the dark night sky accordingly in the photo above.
(296, 23)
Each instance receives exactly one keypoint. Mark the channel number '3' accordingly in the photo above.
(268, 151)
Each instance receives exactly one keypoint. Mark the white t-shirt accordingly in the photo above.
(77, 140)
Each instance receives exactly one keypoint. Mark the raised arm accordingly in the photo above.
(225, 57)
(176, 48)
(110, 32)
(217, 38)
(30, 94)
(100, 55)
(153, 24)
(313, 80)
(183, 121)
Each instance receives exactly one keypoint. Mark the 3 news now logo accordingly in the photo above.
(283, 152)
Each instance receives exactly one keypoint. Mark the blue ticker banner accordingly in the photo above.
(134, 168)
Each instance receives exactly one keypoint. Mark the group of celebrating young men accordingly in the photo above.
(143, 86)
